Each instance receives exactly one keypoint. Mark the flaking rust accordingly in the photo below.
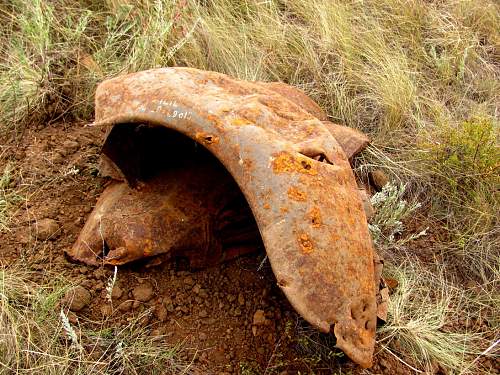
(208, 167)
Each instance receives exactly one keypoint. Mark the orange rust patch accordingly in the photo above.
(335, 237)
(284, 209)
(284, 162)
(305, 243)
(267, 206)
(207, 139)
(247, 164)
(215, 120)
(148, 247)
(241, 122)
(315, 217)
(250, 114)
(296, 194)
(310, 129)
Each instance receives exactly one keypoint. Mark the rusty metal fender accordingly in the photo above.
(294, 175)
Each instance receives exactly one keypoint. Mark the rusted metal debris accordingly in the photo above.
(278, 168)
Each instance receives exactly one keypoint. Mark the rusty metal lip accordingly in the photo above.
(270, 221)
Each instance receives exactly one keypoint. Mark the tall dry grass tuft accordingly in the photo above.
(426, 321)
(37, 336)
(9, 198)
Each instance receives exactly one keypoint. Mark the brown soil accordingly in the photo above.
(211, 311)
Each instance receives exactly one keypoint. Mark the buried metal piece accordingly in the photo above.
(271, 166)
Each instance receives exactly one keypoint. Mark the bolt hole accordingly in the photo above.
(105, 249)
(321, 158)
(305, 165)
(282, 282)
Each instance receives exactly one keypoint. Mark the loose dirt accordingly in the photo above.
(231, 318)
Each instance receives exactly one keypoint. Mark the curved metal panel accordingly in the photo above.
(294, 175)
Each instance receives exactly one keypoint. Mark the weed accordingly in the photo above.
(37, 336)
(8, 198)
(422, 319)
(390, 212)
(110, 285)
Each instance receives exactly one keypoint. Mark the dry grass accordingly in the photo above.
(8, 198)
(426, 320)
(422, 78)
(37, 337)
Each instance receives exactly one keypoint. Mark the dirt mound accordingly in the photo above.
(232, 318)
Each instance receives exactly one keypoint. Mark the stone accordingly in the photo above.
(106, 310)
(99, 273)
(259, 318)
(117, 292)
(254, 330)
(383, 304)
(161, 313)
(69, 147)
(241, 299)
(189, 281)
(351, 141)
(383, 363)
(98, 286)
(88, 284)
(143, 292)
(378, 179)
(125, 306)
(391, 283)
(72, 318)
(23, 235)
(77, 298)
(367, 204)
(46, 229)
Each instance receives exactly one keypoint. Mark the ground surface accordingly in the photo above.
(210, 312)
